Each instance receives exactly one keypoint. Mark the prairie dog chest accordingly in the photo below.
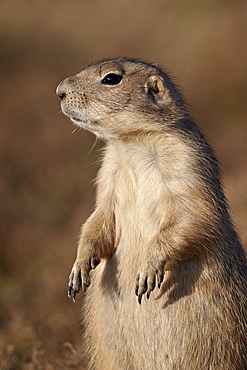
(137, 187)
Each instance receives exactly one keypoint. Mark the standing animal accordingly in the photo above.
(162, 266)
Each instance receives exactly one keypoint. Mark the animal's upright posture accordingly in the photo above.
(160, 229)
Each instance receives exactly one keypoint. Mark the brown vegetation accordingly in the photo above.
(46, 172)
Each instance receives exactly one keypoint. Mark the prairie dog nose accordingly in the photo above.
(61, 89)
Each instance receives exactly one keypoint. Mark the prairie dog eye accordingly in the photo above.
(111, 79)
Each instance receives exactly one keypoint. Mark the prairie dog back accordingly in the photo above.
(159, 259)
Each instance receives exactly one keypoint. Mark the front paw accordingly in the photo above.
(79, 277)
(147, 279)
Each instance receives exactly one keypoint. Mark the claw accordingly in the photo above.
(147, 280)
(160, 278)
(85, 282)
(74, 295)
(69, 290)
(141, 287)
(79, 278)
(94, 261)
(137, 289)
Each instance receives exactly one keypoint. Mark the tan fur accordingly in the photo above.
(160, 213)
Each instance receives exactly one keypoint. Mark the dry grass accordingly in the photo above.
(46, 172)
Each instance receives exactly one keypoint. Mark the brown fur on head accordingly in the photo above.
(133, 91)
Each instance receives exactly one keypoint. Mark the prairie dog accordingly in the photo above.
(162, 266)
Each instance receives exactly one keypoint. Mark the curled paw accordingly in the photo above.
(147, 279)
(79, 278)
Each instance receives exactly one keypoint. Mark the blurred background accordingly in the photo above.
(46, 170)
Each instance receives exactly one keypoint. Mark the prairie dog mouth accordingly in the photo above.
(75, 119)
(69, 114)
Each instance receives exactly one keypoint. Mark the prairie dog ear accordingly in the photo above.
(156, 90)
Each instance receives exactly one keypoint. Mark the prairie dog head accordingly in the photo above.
(119, 96)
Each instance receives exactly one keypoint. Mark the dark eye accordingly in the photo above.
(111, 79)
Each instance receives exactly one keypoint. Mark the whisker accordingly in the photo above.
(92, 147)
